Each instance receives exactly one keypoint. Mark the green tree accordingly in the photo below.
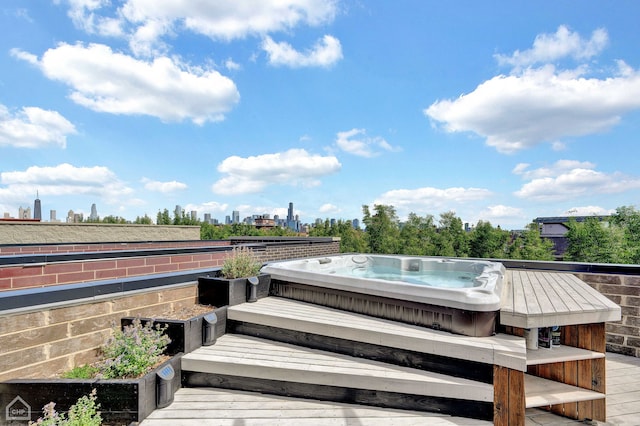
(418, 236)
(529, 245)
(382, 229)
(163, 218)
(590, 241)
(627, 219)
(145, 220)
(452, 238)
(114, 219)
(485, 241)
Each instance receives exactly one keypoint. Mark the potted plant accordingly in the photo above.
(238, 281)
(131, 381)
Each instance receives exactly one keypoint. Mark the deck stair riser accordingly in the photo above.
(245, 362)
(331, 329)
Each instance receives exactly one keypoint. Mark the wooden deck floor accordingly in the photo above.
(210, 406)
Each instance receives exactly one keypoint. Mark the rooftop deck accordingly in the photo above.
(531, 299)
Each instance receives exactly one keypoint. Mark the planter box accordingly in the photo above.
(218, 291)
(122, 401)
(188, 335)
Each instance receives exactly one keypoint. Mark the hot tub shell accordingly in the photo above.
(471, 311)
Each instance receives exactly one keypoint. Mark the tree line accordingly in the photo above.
(616, 240)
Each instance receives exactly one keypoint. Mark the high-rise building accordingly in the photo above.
(178, 211)
(290, 213)
(194, 215)
(24, 213)
(207, 218)
(52, 216)
(37, 208)
(236, 217)
(94, 213)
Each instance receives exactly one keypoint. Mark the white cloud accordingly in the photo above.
(164, 187)
(295, 167)
(64, 179)
(231, 65)
(146, 22)
(33, 127)
(501, 213)
(329, 208)
(544, 104)
(588, 211)
(208, 207)
(324, 53)
(556, 169)
(356, 142)
(107, 81)
(429, 199)
(551, 47)
(567, 179)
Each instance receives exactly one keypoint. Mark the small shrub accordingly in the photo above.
(241, 262)
(133, 350)
(86, 371)
(83, 413)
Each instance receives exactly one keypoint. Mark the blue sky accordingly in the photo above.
(501, 111)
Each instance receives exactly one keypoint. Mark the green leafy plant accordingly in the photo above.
(83, 413)
(240, 263)
(86, 371)
(133, 350)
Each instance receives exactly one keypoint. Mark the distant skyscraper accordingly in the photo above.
(207, 218)
(290, 213)
(24, 213)
(52, 216)
(194, 215)
(94, 212)
(236, 217)
(292, 222)
(178, 211)
(37, 208)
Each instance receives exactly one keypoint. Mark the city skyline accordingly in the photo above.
(501, 112)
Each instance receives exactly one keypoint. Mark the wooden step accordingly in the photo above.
(198, 406)
(244, 356)
(541, 392)
(503, 350)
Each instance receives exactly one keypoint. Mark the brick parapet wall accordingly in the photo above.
(44, 275)
(622, 336)
(12, 249)
(48, 274)
(13, 232)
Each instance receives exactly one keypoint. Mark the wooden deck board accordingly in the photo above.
(210, 406)
(245, 356)
(544, 299)
(288, 314)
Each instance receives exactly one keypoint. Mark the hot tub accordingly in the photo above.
(456, 295)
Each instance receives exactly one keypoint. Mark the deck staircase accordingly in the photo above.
(290, 348)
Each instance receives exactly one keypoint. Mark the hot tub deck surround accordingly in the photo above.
(545, 299)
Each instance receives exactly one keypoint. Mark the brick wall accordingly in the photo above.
(51, 232)
(22, 249)
(41, 343)
(622, 336)
(43, 275)
(48, 274)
